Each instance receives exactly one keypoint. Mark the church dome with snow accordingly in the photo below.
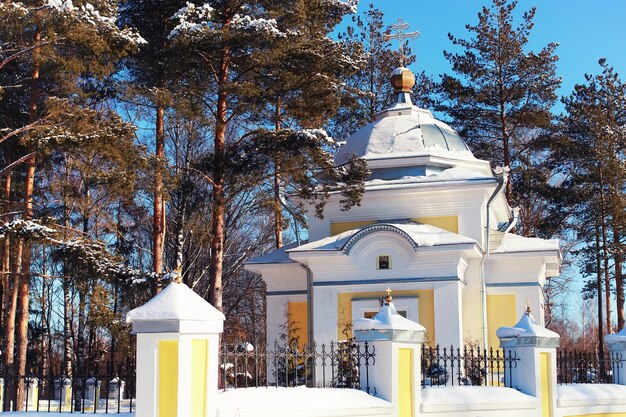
(400, 133)
(403, 131)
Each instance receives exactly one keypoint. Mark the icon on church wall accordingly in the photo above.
(384, 262)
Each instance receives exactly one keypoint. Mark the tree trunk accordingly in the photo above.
(9, 349)
(506, 157)
(599, 287)
(67, 323)
(158, 236)
(278, 210)
(605, 257)
(29, 191)
(6, 255)
(67, 327)
(44, 316)
(219, 176)
(619, 278)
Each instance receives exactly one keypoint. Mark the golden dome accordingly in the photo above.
(402, 80)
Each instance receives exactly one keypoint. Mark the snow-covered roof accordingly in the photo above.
(277, 256)
(176, 302)
(404, 132)
(454, 174)
(516, 243)
(418, 234)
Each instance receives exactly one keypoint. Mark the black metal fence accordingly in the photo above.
(94, 394)
(337, 365)
(467, 366)
(575, 367)
(93, 386)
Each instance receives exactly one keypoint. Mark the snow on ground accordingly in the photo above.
(590, 394)
(300, 401)
(468, 398)
(42, 414)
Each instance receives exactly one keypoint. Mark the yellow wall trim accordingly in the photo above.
(406, 397)
(336, 228)
(199, 351)
(449, 223)
(168, 378)
(500, 312)
(546, 386)
(425, 310)
(297, 323)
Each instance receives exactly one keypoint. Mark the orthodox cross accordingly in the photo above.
(401, 36)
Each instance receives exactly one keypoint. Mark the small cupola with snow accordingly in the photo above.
(387, 324)
(527, 332)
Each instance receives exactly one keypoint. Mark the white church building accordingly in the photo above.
(434, 225)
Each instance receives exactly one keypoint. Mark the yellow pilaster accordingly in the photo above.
(199, 351)
(546, 390)
(168, 378)
(406, 390)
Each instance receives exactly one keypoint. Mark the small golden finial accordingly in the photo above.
(178, 276)
(528, 309)
(388, 298)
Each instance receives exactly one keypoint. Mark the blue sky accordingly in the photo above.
(585, 30)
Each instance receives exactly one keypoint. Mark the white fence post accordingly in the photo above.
(32, 397)
(535, 374)
(92, 394)
(1, 395)
(617, 346)
(395, 374)
(63, 387)
(177, 354)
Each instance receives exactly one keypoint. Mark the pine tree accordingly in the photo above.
(52, 45)
(302, 85)
(154, 73)
(236, 44)
(499, 98)
(592, 152)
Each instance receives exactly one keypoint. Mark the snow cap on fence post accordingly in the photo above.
(617, 345)
(394, 374)
(535, 347)
(177, 353)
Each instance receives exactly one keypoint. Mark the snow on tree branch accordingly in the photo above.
(191, 20)
(88, 14)
(85, 254)
(319, 135)
(344, 7)
(258, 25)
(26, 229)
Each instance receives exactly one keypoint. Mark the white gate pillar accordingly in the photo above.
(617, 346)
(535, 347)
(177, 354)
(395, 374)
